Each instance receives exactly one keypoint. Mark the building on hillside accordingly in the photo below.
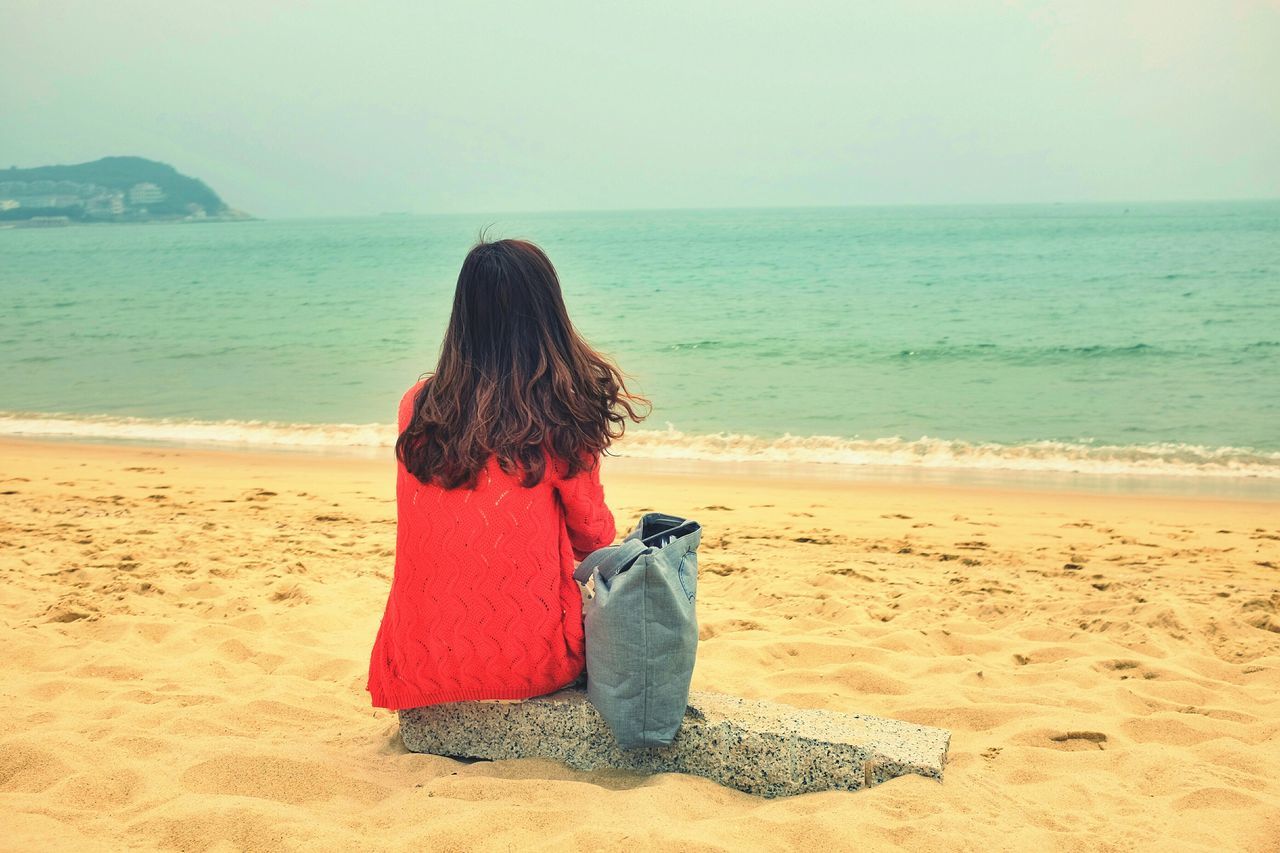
(50, 200)
(145, 193)
(107, 204)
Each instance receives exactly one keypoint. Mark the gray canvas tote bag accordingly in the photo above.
(642, 629)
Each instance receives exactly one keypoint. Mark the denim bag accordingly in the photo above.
(641, 628)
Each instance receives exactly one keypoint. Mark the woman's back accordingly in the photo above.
(483, 603)
(498, 492)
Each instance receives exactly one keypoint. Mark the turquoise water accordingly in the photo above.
(1066, 337)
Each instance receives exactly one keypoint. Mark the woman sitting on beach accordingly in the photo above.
(498, 493)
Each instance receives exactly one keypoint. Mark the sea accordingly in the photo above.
(1091, 340)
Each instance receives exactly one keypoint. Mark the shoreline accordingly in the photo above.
(1152, 486)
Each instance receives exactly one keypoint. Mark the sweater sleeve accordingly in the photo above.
(588, 519)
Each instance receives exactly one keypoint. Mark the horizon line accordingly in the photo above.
(713, 209)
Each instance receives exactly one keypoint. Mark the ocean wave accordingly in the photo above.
(936, 453)
(1039, 355)
(265, 434)
(1172, 459)
(1031, 354)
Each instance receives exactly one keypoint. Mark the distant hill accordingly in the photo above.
(113, 189)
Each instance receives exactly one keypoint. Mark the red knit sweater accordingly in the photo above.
(483, 603)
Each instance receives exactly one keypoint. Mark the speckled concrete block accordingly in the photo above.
(758, 747)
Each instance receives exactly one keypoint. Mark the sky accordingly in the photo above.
(344, 108)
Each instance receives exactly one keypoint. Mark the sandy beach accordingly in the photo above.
(186, 637)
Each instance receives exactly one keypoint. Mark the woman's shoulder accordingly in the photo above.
(414, 389)
(406, 402)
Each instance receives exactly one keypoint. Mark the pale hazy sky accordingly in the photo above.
(293, 108)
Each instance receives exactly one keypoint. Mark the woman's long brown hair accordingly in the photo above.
(514, 377)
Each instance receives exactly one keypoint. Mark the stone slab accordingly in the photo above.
(762, 748)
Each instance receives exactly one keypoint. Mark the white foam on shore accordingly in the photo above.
(924, 453)
(263, 434)
(935, 453)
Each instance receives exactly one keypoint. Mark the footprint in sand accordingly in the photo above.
(1079, 740)
(285, 780)
(849, 571)
(28, 770)
(107, 789)
(1118, 665)
(293, 594)
(67, 614)
(711, 630)
(1217, 798)
(1261, 613)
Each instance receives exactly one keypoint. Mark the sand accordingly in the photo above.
(186, 635)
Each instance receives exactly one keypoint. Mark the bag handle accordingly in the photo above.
(610, 560)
